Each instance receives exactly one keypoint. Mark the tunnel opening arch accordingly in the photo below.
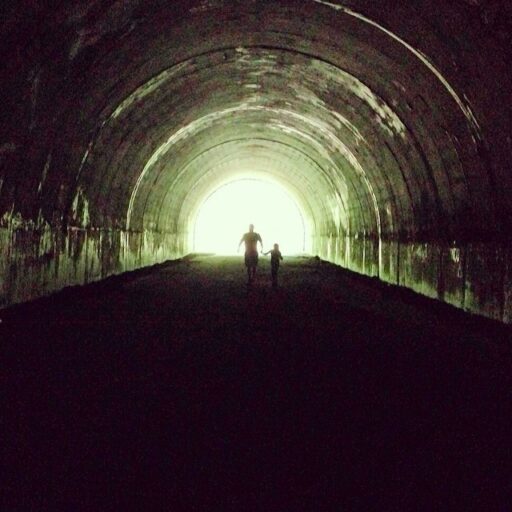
(177, 192)
(225, 211)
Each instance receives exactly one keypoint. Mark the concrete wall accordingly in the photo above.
(35, 262)
(474, 277)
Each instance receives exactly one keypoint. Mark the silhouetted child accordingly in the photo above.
(275, 259)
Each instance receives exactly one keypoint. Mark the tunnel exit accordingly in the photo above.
(226, 214)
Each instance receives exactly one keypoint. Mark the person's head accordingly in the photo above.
(276, 247)
(251, 227)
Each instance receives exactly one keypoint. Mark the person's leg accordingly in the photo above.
(254, 264)
(248, 264)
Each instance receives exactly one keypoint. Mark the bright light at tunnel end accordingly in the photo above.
(225, 216)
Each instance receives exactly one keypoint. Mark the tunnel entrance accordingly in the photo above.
(382, 125)
(227, 212)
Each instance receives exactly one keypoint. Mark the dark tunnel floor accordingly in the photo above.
(175, 388)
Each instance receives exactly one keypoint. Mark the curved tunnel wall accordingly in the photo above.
(389, 124)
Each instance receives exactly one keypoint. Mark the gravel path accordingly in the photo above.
(180, 388)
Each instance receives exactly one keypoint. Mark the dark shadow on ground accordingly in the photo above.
(179, 388)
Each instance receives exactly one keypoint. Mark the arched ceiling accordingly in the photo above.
(157, 86)
(380, 117)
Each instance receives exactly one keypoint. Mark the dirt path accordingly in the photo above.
(179, 388)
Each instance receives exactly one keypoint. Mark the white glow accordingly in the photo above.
(225, 216)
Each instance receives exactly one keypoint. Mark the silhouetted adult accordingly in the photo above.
(251, 240)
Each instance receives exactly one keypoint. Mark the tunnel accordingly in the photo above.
(139, 370)
(388, 123)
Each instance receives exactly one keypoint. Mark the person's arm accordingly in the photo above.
(240, 243)
(261, 242)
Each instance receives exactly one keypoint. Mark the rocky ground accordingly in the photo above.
(180, 388)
